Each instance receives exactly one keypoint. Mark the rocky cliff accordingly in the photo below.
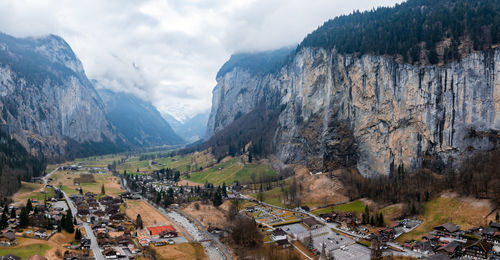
(370, 112)
(46, 100)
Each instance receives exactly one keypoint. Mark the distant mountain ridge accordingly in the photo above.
(137, 120)
(193, 129)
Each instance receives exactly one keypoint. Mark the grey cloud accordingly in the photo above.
(168, 52)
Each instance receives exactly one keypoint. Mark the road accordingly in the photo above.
(89, 233)
(220, 252)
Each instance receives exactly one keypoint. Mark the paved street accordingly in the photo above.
(88, 230)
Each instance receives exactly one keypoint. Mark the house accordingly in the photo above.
(480, 249)
(451, 249)
(326, 216)
(110, 253)
(144, 241)
(40, 233)
(278, 234)
(491, 234)
(10, 257)
(311, 223)
(166, 230)
(447, 229)
(72, 256)
(283, 243)
(8, 239)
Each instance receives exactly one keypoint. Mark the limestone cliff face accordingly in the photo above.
(46, 100)
(370, 112)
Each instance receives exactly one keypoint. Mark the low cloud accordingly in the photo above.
(168, 52)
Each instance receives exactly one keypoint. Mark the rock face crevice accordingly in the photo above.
(371, 112)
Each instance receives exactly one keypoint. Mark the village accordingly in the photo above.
(105, 225)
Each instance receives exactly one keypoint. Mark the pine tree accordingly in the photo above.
(29, 206)
(12, 213)
(78, 235)
(138, 222)
(224, 190)
(4, 221)
(23, 218)
(103, 191)
(497, 217)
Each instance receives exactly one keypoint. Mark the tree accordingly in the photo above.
(4, 221)
(68, 222)
(23, 218)
(246, 233)
(29, 206)
(78, 235)
(497, 217)
(12, 213)
(103, 191)
(224, 190)
(138, 222)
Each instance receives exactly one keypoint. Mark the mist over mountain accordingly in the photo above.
(137, 120)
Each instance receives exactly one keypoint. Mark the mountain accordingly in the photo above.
(47, 102)
(348, 102)
(137, 120)
(193, 129)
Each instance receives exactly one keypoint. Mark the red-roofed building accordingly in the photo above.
(154, 231)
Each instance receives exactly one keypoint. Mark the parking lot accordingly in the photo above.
(353, 252)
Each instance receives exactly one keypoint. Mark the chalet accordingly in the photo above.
(72, 256)
(163, 231)
(326, 216)
(117, 216)
(489, 234)
(283, 243)
(83, 210)
(452, 249)
(214, 230)
(10, 257)
(123, 240)
(305, 208)
(144, 241)
(40, 233)
(423, 247)
(345, 219)
(250, 209)
(447, 229)
(311, 223)
(110, 253)
(480, 249)
(8, 239)
(278, 234)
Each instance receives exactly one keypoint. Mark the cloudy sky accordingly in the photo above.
(168, 52)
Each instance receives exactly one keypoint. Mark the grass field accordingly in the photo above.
(181, 251)
(272, 196)
(354, 206)
(231, 171)
(65, 178)
(466, 214)
(25, 251)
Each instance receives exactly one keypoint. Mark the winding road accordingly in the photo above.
(89, 233)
